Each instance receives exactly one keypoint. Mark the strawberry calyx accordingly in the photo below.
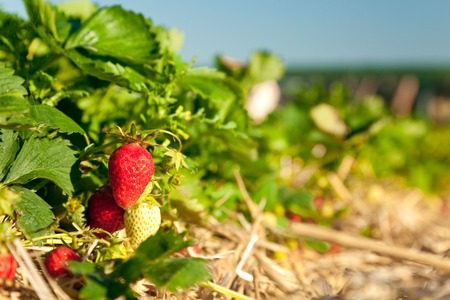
(146, 199)
(146, 194)
(142, 137)
(153, 201)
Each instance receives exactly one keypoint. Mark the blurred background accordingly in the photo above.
(303, 33)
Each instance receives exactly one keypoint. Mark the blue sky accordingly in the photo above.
(303, 32)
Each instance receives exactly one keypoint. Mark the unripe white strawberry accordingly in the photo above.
(141, 221)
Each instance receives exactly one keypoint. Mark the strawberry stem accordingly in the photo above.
(173, 135)
(64, 238)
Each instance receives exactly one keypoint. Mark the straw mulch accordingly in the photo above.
(405, 257)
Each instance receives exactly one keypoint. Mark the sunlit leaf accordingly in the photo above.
(264, 66)
(11, 92)
(117, 73)
(44, 115)
(43, 158)
(48, 21)
(110, 33)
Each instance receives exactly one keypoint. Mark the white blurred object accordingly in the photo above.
(262, 100)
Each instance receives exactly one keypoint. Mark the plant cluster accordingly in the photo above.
(71, 79)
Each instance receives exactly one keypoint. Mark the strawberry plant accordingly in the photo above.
(72, 82)
(104, 127)
(112, 148)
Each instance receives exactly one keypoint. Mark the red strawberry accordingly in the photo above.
(335, 249)
(130, 171)
(294, 217)
(8, 266)
(56, 261)
(318, 202)
(190, 251)
(103, 211)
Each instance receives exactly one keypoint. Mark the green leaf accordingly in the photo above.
(9, 145)
(33, 213)
(319, 246)
(79, 9)
(226, 95)
(115, 32)
(49, 116)
(263, 66)
(209, 84)
(170, 40)
(95, 287)
(7, 200)
(155, 248)
(82, 268)
(129, 270)
(268, 189)
(162, 244)
(178, 273)
(11, 92)
(13, 104)
(48, 21)
(106, 70)
(43, 158)
(327, 119)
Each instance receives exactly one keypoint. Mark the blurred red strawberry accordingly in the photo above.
(103, 211)
(8, 266)
(57, 261)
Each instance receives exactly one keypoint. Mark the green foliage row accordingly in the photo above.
(411, 148)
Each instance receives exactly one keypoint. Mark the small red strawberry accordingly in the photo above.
(318, 202)
(56, 261)
(294, 217)
(189, 251)
(141, 221)
(335, 249)
(103, 211)
(131, 169)
(8, 266)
